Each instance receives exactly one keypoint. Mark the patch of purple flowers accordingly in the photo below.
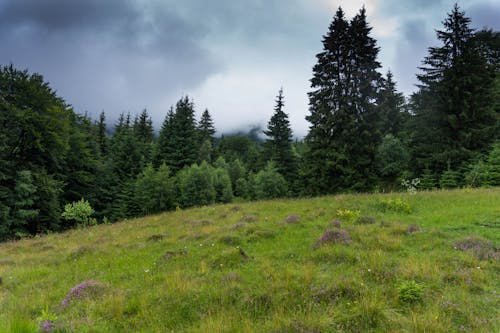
(335, 235)
(83, 290)
(47, 326)
(293, 218)
(481, 248)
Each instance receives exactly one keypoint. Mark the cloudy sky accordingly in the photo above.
(230, 56)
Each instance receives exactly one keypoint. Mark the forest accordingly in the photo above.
(60, 169)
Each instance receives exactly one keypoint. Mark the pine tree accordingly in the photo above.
(178, 142)
(342, 138)
(206, 129)
(143, 127)
(456, 101)
(102, 140)
(390, 107)
(278, 146)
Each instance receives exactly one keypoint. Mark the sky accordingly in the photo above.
(231, 57)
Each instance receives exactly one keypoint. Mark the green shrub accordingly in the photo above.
(427, 180)
(410, 292)
(449, 179)
(492, 176)
(222, 186)
(348, 215)
(80, 212)
(396, 205)
(196, 185)
(269, 183)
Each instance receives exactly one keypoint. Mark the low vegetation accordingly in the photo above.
(274, 266)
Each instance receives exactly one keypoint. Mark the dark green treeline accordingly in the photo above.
(364, 136)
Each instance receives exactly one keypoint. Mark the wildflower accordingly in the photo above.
(146, 271)
(82, 290)
(369, 270)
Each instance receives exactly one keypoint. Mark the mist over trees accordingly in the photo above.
(364, 136)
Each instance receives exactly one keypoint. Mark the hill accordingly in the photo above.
(350, 263)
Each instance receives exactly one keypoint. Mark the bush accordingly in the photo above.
(410, 292)
(449, 179)
(154, 190)
(269, 183)
(80, 212)
(492, 177)
(348, 215)
(396, 205)
(427, 180)
(196, 185)
(222, 186)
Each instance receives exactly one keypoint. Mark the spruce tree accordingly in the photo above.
(206, 129)
(278, 146)
(101, 137)
(178, 140)
(390, 107)
(456, 103)
(342, 138)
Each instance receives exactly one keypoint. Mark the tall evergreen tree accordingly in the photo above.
(278, 146)
(342, 136)
(101, 137)
(178, 144)
(456, 101)
(390, 107)
(206, 129)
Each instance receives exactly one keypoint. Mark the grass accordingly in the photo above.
(259, 267)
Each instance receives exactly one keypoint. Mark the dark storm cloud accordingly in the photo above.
(232, 56)
(58, 16)
(113, 55)
(485, 15)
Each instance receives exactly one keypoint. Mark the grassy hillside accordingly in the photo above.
(408, 263)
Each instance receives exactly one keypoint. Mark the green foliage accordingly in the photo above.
(410, 292)
(206, 129)
(427, 180)
(456, 110)
(343, 135)
(348, 215)
(178, 140)
(396, 205)
(475, 174)
(449, 179)
(222, 186)
(278, 146)
(391, 160)
(46, 314)
(269, 183)
(79, 212)
(196, 185)
(154, 190)
(492, 176)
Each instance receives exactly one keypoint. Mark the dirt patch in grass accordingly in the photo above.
(199, 223)
(365, 220)
(413, 228)
(335, 224)
(80, 252)
(292, 219)
(249, 218)
(171, 254)
(156, 237)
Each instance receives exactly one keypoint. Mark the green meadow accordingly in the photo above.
(424, 262)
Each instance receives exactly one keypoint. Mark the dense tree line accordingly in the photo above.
(364, 136)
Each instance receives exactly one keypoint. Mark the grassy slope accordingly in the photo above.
(286, 285)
